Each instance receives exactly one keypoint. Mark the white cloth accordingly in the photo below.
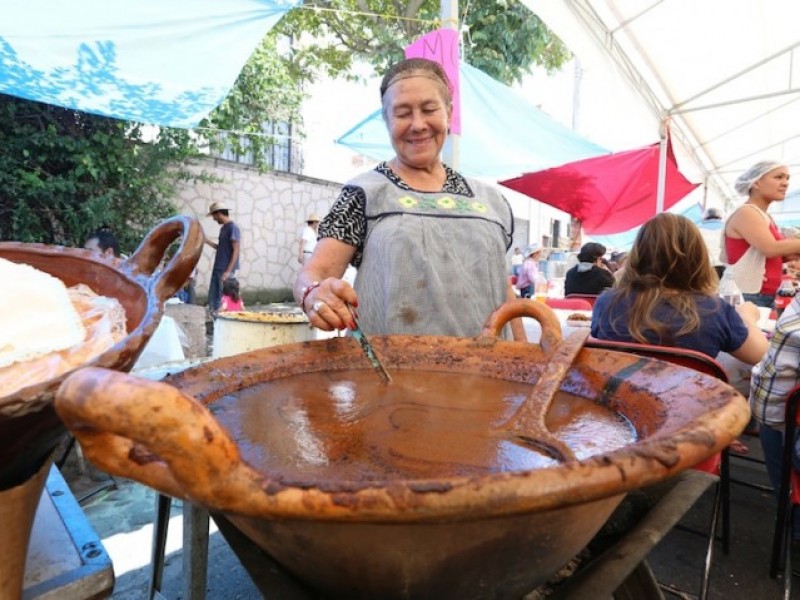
(309, 237)
(749, 270)
(36, 314)
(163, 347)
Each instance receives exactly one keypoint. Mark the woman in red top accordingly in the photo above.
(751, 227)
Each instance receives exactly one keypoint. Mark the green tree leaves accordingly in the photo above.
(504, 38)
(64, 173)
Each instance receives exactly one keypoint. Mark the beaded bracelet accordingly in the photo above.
(305, 292)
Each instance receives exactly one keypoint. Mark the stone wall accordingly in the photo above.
(270, 209)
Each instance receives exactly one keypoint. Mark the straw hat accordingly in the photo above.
(217, 206)
(313, 218)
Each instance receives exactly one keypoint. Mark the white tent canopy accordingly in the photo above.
(724, 74)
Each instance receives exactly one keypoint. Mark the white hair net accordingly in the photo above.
(746, 180)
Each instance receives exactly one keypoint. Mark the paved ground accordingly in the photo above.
(123, 514)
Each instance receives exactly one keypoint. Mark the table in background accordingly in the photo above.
(534, 331)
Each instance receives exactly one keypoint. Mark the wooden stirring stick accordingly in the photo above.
(527, 425)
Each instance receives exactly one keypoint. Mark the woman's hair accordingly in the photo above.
(105, 240)
(746, 180)
(668, 263)
(591, 252)
(417, 67)
(230, 287)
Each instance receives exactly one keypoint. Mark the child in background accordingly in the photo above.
(231, 300)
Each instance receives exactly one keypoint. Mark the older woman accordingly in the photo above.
(752, 241)
(429, 244)
(667, 296)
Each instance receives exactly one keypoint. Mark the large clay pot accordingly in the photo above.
(29, 426)
(492, 534)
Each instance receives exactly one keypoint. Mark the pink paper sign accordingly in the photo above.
(442, 46)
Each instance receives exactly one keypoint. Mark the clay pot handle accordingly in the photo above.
(153, 433)
(523, 307)
(148, 256)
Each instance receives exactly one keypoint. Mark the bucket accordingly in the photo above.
(237, 332)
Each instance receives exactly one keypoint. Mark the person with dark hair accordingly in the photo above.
(590, 275)
(231, 296)
(430, 244)
(226, 259)
(667, 295)
(711, 229)
(103, 241)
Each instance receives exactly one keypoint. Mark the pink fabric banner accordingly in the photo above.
(442, 46)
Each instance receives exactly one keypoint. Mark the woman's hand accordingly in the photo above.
(326, 304)
(319, 289)
(749, 313)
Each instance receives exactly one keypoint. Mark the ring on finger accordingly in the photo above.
(317, 305)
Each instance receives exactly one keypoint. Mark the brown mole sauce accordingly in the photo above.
(348, 426)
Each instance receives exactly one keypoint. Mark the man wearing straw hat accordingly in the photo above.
(308, 239)
(226, 260)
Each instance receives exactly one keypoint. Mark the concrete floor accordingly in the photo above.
(123, 517)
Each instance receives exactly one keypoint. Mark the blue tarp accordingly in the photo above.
(624, 240)
(153, 61)
(503, 135)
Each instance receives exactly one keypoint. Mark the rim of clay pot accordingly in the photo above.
(245, 491)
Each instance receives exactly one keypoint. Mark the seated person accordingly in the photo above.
(667, 295)
(590, 275)
(773, 379)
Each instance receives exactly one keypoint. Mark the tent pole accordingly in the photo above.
(662, 166)
(449, 16)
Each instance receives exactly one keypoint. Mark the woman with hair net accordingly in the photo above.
(754, 246)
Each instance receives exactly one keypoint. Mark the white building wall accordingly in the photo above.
(270, 209)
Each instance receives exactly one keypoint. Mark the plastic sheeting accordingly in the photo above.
(166, 63)
(624, 240)
(502, 133)
(723, 72)
(608, 194)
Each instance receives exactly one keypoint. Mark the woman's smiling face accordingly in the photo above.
(417, 116)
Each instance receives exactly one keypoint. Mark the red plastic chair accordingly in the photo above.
(717, 464)
(788, 499)
(590, 298)
(569, 303)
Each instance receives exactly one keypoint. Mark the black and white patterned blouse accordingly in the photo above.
(347, 222)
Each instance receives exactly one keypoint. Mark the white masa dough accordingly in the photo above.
(36, 314)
